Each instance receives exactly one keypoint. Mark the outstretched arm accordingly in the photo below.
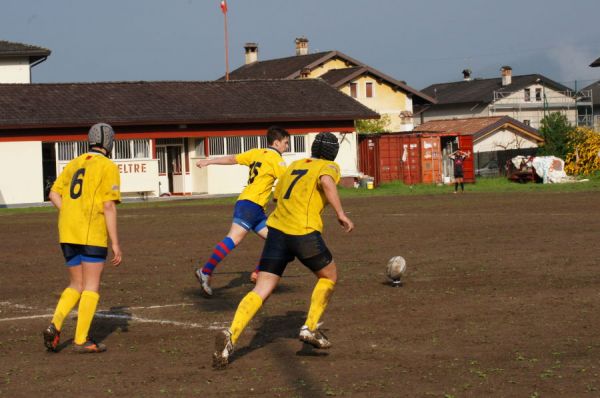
(224, 160)
(331, 193)
(110, 216)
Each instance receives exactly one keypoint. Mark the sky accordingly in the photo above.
(421, 42)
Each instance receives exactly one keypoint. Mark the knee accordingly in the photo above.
(77, 286)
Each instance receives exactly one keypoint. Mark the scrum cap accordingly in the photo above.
(102, 135)
(325, 146)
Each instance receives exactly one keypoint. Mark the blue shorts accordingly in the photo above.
(76, 254)
(249, 215)
(281, 248)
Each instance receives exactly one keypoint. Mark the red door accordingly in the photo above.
(465, 144)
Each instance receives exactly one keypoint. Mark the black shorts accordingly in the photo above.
(280, 249)
(74, 254)
(458, 173)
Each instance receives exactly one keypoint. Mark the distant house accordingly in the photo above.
(526, 98)
(17, 59)
(162, 129)
(374, 89)
(590, 113)
(495, 138)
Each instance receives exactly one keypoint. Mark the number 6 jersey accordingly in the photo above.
(84, 185)
(300, 198)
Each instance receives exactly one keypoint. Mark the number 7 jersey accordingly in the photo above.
(300, 198)
(84, 185)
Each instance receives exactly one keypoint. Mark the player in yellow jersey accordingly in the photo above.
(86, 193)
(265, 166)
(295, 228)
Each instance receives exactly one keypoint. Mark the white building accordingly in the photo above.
(526, 98)
(17, 59)
(162, 129)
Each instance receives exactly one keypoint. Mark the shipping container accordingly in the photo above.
(413, 158)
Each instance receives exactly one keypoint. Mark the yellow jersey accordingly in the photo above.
(300, 198)
(266, 165)
(84, 185)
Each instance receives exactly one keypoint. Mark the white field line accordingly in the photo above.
(127, 317)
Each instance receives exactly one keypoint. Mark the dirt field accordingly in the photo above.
(501, 300)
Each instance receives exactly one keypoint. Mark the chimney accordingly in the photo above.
(251, 52)
(301, 46)
(506, 75)
(304, 73)
(467, 75)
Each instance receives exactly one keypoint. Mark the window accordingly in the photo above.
(250, 143)
(234, 145)
(538, 94)
(299, 143)
(527, 93)
(70, 150)
(199, 147)
(216, 146)
(527, 122)
(369, 89)
(353, 90)
(131, 149)
(161, 154)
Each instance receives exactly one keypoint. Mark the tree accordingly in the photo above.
(555, 128)
(584, 152)
(372, 126)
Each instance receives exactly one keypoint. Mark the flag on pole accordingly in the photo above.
(224, 6)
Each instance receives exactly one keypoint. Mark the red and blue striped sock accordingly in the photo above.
(220, 251)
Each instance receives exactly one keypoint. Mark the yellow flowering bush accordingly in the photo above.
(583, 156)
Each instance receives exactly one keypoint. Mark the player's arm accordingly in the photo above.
(330, 189)
(223, 160)
(56, 199)
(110, 216)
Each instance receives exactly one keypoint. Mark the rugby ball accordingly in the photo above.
(396, 268)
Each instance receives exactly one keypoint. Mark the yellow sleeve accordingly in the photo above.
(279, 169)
(62, 181)
(332, 170)
(245, 158)
(111, 184)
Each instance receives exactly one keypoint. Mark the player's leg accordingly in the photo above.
(315, 255)
(92, 272)
(68, 299)
(262, 231)
(236, 234)
(273, 262)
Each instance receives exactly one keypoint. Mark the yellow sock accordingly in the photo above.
(248, 307)
(318, 302)
(87, 309)
(67, 301)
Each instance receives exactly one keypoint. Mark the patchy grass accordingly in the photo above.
(483, 185)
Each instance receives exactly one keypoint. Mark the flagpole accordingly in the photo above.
(226, 46)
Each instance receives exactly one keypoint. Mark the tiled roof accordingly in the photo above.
(290, 68)
(11, 49)
(595, 63)
(482, 90)
(336, 77)
(280, 68)
(476, 126)
(148, 103)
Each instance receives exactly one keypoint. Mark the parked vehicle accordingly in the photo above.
(490, 169)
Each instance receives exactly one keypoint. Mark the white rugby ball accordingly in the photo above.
(396, 268)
